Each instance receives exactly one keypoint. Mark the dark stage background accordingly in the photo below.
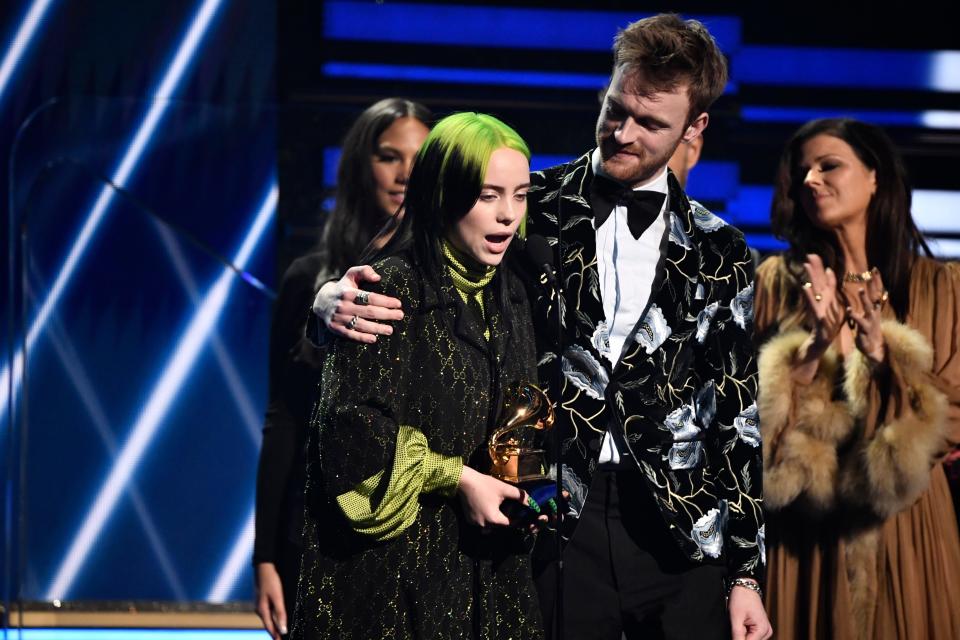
(164, 161)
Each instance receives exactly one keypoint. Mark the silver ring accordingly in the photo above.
(353, 322)
(362, 298)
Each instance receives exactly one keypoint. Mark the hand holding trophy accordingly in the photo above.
(517, 455)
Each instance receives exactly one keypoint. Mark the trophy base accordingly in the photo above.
(542, 490)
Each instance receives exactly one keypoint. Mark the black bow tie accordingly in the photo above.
(643, 207)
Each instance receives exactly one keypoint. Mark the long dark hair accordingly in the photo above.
(357, 217)
(893, 239)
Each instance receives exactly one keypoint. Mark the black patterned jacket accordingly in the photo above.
(684, 390)
(441, 577)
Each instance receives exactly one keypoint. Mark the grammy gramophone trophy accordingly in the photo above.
(516, 447)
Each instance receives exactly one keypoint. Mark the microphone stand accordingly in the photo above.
(558, 386)
(552, 270)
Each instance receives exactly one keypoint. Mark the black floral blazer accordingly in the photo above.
(684, 390)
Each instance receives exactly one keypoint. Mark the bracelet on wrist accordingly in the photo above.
(746, 583)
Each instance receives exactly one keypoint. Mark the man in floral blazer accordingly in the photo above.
(657, 420)
(660, 446)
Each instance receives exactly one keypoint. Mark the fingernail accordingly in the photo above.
(389, 331)
(283, 630)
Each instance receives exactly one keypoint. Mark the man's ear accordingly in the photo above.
(696, 127)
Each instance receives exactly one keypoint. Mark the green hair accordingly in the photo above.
(447, 178)
(471, 138)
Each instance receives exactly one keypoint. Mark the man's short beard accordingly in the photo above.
(644, 172)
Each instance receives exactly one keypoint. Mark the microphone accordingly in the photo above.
(540, 253)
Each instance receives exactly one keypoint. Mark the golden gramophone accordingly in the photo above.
(516, 452)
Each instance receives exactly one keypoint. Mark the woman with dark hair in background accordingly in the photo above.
(859, 398)
(377, 155)
(404, 535)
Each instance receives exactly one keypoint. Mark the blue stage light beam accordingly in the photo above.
(16, 50)
(250, 415)
(945, 248)
(175, 371)
(8, 384)
(497, 77)
(539, 162)
(22, 39)
(935, 211)
(847, 68)
(764, 242)
(944, 71)
(790, 115)
(185, 52)
(237, 561)
(929, 119)
(941, 119)
(751, 206)
(493, 26)
(469, 76)
(87, 393)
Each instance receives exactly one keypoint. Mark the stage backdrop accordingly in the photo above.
(166, 160)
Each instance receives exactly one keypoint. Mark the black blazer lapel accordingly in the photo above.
(642, 333)
(578, 240)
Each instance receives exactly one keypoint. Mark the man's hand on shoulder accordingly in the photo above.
(349, 311)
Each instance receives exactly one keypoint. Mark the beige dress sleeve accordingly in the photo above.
(935, 312)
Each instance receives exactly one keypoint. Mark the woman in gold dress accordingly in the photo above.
(859, 398)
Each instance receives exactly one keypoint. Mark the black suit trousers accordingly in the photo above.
(624, 576)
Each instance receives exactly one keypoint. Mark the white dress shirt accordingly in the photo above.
(627, 267)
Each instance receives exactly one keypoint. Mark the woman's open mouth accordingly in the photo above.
(498, 242)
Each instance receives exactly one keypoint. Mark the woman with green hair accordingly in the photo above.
(404, 535)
